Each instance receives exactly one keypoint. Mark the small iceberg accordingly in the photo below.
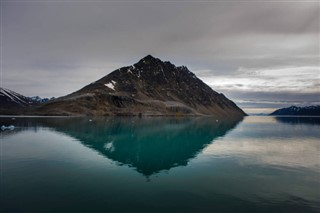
(11, 127)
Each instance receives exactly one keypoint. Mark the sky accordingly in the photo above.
(261, 54)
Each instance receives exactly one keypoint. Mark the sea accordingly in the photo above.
(160, 164)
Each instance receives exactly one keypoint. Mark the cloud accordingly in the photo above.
(275, 79)
(233, 46)
(48, 82)
(285, 153)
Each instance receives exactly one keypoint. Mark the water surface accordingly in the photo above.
(259, 164)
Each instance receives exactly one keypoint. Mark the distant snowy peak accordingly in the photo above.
(295, 110)
(38, 99)
(9, 98)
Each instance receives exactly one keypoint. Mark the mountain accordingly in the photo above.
(295, 110)
(38, 99)
(11, 99)
(14, 103)
(149, 87)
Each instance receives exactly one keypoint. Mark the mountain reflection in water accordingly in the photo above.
(299, 120)
(149, 145)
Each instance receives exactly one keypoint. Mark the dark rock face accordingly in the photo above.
(294, 110)
(149, 87)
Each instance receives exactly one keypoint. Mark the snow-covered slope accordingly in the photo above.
(9, 98)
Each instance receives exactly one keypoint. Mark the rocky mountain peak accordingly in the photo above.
(149, 58)
(153, 62)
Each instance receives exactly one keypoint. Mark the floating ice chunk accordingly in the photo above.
(11, 127)
(109, 146)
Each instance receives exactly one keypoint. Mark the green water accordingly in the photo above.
(258, 164)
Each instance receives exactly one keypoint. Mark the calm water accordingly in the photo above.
(259, 164)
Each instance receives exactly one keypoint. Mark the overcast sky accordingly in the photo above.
(261, 54)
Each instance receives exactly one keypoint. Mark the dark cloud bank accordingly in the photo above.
(260, 54)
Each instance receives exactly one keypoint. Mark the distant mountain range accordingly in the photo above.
(295, 110)
(149, 87)
(38, 99)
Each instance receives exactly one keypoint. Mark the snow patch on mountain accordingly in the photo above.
(111, 85)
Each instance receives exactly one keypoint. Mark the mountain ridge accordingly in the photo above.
(313, 110)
